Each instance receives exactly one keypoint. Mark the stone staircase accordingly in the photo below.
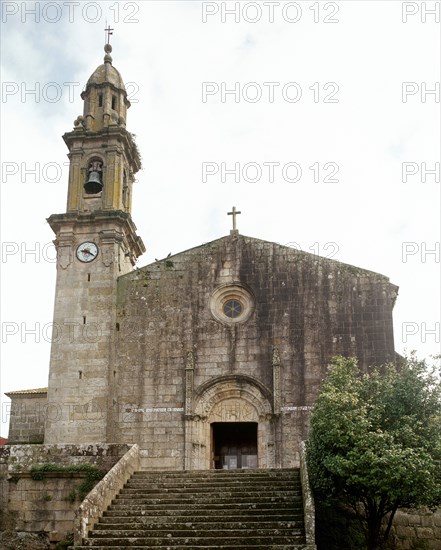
(215, 509)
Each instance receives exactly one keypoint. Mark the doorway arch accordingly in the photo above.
(228, 399)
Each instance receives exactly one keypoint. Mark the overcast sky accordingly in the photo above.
(335, 108)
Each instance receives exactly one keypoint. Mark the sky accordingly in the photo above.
(320, 121)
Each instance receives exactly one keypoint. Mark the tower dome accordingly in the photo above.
(105, 96)
(106, 73)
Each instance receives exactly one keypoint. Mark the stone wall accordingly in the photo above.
(28, 413)
(308, 500)
(46, 505)
(181, 364)
(101, 496)
(417, 531)
(23, 457)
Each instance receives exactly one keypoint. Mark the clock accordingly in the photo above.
(87, 252)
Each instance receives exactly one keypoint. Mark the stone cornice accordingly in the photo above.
(68, 222)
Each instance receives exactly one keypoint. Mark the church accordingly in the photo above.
(188, 382)
(208, 359)
(205, 365)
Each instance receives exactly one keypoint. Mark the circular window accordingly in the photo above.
(233, 308)
(232, 303)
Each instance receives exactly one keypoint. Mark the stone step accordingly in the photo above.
(226, 515)
(264, 472)
(199, 486)
(218, 474)
(215, 547)
(279, 473)
(201, 491)
(203, 487)
(184, 500)
(191, 542)
(147, 524)
(204, 497)
(251, 509)
(201, 533)
(202, 507)
(232, 482)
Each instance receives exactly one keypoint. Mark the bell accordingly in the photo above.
(93, 185)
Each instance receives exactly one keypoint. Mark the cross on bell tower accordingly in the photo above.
(108, 32)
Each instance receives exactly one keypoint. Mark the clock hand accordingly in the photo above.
(89, 253)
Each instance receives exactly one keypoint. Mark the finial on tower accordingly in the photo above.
(108, 47)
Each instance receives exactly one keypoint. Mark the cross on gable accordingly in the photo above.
(234, 213)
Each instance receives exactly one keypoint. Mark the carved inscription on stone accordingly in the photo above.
(233, 410)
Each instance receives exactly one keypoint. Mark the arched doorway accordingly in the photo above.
(232, 425)
(234, 445)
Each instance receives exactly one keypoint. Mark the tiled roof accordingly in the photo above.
(26, 392)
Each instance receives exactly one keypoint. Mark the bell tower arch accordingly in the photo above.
(96, 242)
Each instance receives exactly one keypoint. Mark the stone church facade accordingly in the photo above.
(210, 358)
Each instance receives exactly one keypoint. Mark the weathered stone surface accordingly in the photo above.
(308, 499)
(413, 528)
(100, 148)
(310, 308)
(23, 457)
(150, 357)
(12, 540)
(98, 500)
(46, 505)
(240, 509)
(28, 415)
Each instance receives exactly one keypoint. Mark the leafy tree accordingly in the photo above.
(375, 441)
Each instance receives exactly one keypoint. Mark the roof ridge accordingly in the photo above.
(26, 392)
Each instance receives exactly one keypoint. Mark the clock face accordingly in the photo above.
(87, 252)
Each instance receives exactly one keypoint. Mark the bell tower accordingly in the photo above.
(96, 242)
